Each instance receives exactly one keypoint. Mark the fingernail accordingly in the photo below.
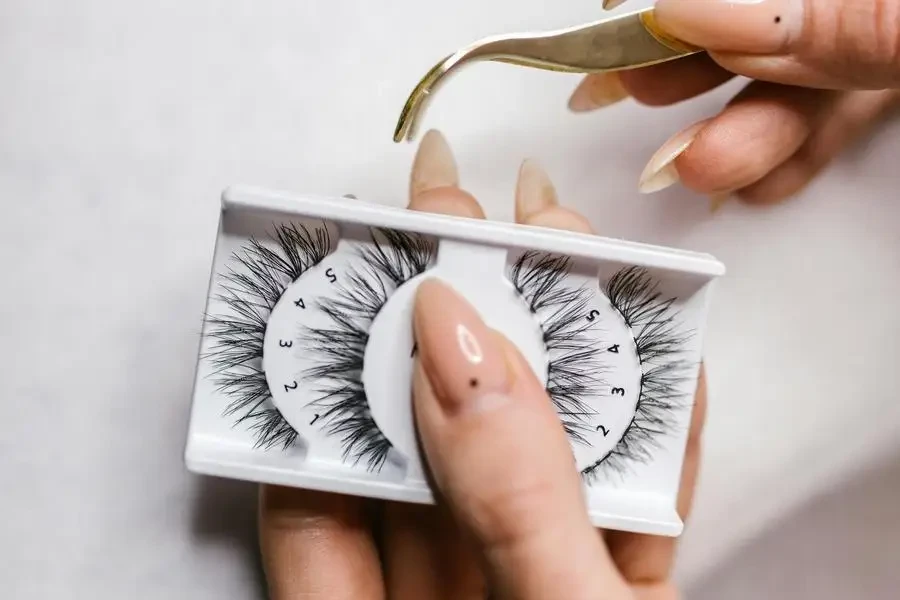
(611, 4)
(596, 91)
(459, 353)
(534, 191)
(434, 165)
(660, 172)
(716, 201)
(753, 26)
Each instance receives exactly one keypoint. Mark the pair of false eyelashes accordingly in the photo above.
(263, 272)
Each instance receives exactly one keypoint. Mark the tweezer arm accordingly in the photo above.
(627, 42)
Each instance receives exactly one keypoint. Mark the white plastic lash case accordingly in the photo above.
(304, 370)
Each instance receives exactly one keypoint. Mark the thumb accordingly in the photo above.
(837, 44)
(501, 459)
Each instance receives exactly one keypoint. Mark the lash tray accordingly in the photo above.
(304, 371)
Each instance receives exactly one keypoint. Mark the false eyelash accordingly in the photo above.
(340, 350)
(250, 292)
(572, 367)
(658, 343)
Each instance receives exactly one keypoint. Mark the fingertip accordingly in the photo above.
(562, 218)
(672, 82)
(450, 201)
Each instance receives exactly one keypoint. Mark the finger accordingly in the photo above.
(427, 557)
(759, 130)
(658, 85)
(852, 117)
(537, 203)
(646, 561)
(847, 44)
(434, 181)
(317, 546)
(500, 457)
(425, 554)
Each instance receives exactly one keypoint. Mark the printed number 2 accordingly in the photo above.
(618, 391)
(329, 273)
(293, 386)
(603, 429)
(593, 315)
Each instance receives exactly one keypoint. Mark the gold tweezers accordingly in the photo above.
(625, 42)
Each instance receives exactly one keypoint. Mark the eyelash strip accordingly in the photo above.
(340, 350)
(573, 365)
(653, 322)
(250, 292)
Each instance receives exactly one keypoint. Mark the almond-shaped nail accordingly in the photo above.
(660, 171)
(596, 91)
(535, 192)
(716, 201)
(750, 26)
(434, 165)
(611, 4)
(459, 353)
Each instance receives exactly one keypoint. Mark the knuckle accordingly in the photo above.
(513, 514)
(845, 36)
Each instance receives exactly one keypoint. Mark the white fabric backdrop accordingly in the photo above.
(120, 123)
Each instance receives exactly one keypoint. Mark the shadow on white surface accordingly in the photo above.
(840, 545)
(224, 516)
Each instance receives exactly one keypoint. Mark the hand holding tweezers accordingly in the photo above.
(625, 42)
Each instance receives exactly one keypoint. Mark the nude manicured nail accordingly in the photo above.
(751, 26)
(434, 165)
(534, 191)
(460, 354)
(660, 172)
(596, 91)
(716, 201)
(611, 4)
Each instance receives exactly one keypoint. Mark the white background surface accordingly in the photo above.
(120, 123)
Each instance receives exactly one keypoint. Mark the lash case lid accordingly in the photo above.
(306, 383)
(493, 233)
